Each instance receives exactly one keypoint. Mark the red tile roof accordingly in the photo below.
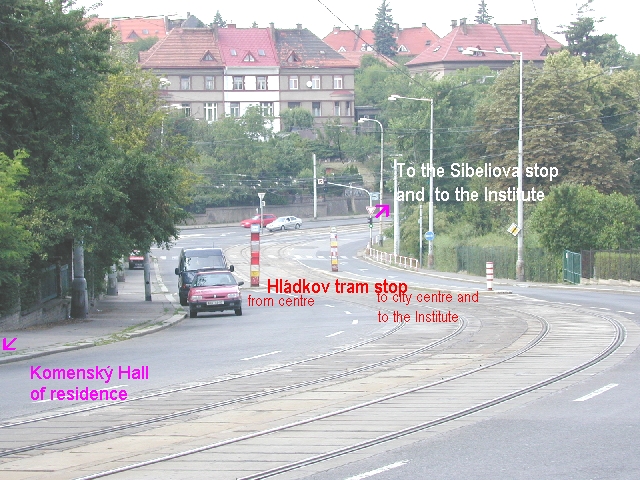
(183, 47)
(246, 41)
(510, 38)
(413, 39)
(356, 57)
(132, 29)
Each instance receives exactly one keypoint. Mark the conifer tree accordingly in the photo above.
(383, 29)
(218, 20)
(483, 16)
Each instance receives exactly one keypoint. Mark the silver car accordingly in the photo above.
(284, 223)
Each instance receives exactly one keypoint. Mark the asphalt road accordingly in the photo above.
(552, 437)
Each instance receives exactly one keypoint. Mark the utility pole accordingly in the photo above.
(315, 189)
(147, 277)
(79, 296)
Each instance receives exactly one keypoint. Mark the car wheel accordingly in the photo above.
(193, 313)
(298, 226)
(238, 311)
(183, 301)
(282, 227)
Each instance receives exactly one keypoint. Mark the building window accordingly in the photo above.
(235, 109)
(315, 109)
(315, 82)
(210, 111)
(185, 83)
(347, 109)
(249, 58)
(337, 82)
(266, 108)
(293, 83)
(336, 109)
(238, 83)
(261, 52)
(145, 31)
(186, 109)
(293, 105)
(261, 83)
(209, 83)
(233, 52)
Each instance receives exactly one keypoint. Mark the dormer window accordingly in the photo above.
(249, 58)
(145, 31)
(499, 50)
(293, 57)
(402, 48)
(427, 43)
(233, 52)
(261, 53)
(544, 52)
(342, 50)
(460, 49)
(208, 57)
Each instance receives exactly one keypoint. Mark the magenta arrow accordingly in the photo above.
(7, 346)
(383, 209)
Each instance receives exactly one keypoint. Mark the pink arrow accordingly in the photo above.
(383, 209)
(7, 346)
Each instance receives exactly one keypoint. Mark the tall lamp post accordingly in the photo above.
(520, 260)
(392, 98)
(362, 120)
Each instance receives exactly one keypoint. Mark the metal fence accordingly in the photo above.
(540, 266)
(611, 264)
(49, 280)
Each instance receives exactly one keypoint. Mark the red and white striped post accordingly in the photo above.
(255, 255)
(334, 249)
(490, 276)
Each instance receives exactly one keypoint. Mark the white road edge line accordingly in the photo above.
(334, 334)
(596, 392)
(263, 355)
(628, 313)
(371, 473)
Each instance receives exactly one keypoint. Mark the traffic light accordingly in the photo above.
(370, 222)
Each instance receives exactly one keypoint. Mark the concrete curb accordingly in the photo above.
(175, 319)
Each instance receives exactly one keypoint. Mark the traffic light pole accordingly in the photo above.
(370, 205)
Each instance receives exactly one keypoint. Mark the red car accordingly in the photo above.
(214, 291)
(267, 218)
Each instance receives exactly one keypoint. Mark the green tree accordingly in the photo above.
(296, 118)
(577, 217)
(563, 126)
(383, 30)
(218, 20)
(483, 16)
(583, 42)
(370, 88)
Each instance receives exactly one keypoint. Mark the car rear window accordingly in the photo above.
(211, 261)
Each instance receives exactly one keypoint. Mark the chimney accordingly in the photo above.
(231, 25)
(336, 29)
(188, 14)
(214, 27)
(397, 28)
(524, 22)
(299, 26)
(424, 24)
(272, 30)
(356, 28)
(534, 26)
(454, 23)
(463, 25)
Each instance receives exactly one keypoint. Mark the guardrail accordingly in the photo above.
(408, 263)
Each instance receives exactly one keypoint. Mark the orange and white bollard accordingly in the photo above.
(334, 249)
(490, 276)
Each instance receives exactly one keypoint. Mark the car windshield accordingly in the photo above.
(255, 217)
(216, 280)
(281, 219)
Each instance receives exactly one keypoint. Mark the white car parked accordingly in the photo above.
(284, 223)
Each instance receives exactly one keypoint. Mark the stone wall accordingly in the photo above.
(52, 311)
(332, 207)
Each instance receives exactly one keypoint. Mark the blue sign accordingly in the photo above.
(429, 236)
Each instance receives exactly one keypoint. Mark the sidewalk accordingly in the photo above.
(112, 319)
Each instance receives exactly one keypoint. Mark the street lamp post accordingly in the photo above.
(362, 120)
(520, 261)
(430, 256)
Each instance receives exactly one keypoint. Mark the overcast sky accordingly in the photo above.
(319, 16)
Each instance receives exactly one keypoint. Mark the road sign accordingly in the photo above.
(371, 210)
(375, 196)
(513, 229)
(261, 195)
(321, 181)
(429, 236)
